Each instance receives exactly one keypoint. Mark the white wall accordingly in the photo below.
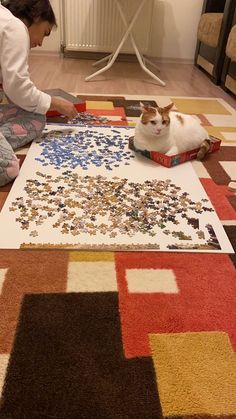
(174, 28)
(53, 42)
(173, 33)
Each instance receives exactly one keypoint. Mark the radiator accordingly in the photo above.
(96, 26)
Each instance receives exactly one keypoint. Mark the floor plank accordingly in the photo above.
(54, 71)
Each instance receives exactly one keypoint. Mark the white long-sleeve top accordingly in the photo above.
(14, 70)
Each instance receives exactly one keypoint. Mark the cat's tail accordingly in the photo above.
(204, 148)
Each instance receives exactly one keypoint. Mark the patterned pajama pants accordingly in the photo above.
(17, 128)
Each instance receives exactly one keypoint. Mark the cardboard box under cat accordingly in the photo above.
(175, 159)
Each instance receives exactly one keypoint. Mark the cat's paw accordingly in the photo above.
(172, 151)
(201, 154)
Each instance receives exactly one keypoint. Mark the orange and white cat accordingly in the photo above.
(159, 129)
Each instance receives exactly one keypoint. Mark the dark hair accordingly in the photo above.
(31, 10)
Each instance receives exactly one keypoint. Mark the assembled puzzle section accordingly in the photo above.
(175, 159)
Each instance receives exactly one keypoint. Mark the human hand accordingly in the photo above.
(64, 107)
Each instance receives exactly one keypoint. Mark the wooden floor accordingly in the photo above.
(51, 71)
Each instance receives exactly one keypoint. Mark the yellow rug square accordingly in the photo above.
(200, 106)
(196, 373)
(106, 105)
(91, 256)
(218, 132)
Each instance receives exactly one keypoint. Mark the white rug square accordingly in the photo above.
(151, 281)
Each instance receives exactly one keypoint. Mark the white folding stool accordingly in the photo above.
(112, 57)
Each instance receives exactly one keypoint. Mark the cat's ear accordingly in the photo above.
(160, 109)
(168, 107)
(143, 108)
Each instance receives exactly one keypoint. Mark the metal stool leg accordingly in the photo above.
(145, 59)
(108, 57)
(140, 57)
(125, 36)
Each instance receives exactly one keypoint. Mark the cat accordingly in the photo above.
(159, 129)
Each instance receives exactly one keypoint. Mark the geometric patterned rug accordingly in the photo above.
(126, 334)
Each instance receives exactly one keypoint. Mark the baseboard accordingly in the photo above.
(88, 55)
(170, 60)
(46, 53)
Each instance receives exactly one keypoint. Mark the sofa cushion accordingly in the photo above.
(209, 28)
(231, 44)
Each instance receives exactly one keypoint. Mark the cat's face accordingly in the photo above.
(155, 121)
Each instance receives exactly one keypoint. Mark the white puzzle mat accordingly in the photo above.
(81, 187)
